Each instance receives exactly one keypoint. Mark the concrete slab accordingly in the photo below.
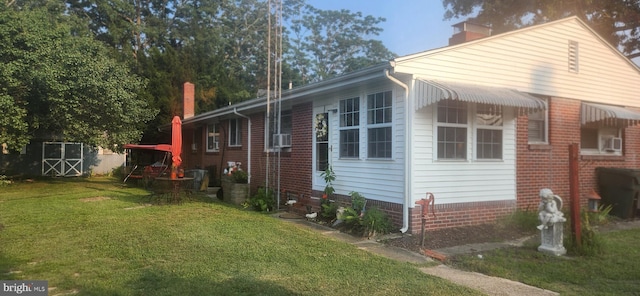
(486, 284)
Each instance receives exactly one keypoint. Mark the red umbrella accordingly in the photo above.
(176, 141)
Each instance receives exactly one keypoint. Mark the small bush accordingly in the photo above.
(358, 202)
(240, 177)
(263, 201)
(375, 222)
(329, 210)
(592, 243)
(4, 181)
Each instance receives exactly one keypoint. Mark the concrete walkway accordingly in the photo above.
(483, 283)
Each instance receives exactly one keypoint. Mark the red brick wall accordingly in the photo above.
(295, 165)
(547, 166)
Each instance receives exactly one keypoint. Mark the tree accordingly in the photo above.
(63, 85)
(618, 21)
(326, 43)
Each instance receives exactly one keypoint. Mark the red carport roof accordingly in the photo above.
(158, 147)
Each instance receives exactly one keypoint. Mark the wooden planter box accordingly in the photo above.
(234, 193)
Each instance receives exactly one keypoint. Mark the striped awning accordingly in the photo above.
(608, 115)
(430, 91)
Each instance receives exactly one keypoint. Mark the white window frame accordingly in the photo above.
(374, 123)
(603, 134)
(213, 137)
(344, 127)
(479, 125)
(544, 138)
(444, 124)
(237, 132)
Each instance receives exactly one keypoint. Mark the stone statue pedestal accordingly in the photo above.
(551, 239)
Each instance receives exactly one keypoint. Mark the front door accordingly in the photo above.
(322, 151)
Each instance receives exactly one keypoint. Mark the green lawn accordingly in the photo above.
(96, 237)
(615, 272)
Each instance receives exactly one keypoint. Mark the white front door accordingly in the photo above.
(322, 145)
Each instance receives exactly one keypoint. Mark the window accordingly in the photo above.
(488, 132)
(537, 131)
(379, 118)
(600, 140)
(322, 141)
(349, 128)
(452, 130)
(213, 138)
(235, 132)
(285, 125)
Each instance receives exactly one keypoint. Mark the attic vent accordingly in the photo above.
(573, 56)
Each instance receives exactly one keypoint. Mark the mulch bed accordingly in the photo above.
(449, 237)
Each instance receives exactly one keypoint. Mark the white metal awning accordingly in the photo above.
(430, 91)
(608, 115)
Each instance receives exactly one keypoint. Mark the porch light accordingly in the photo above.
(594, 200)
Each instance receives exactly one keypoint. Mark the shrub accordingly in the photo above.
(329, 210)
(358, 202)
(375, 222)
(4, 181)
(240, 177)
(592, 243)
(263, 201)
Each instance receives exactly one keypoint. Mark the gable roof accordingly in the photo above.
(517, 31)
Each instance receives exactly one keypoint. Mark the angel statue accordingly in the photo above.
(549, 209)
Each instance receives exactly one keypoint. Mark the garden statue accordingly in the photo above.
(551, 223)
(549, 209)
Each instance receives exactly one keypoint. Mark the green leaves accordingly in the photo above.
(65, 86)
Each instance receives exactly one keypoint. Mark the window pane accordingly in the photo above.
(488, 115)
(349, 112)
(379, 108)
(489, 144)
(589, 138)
(379, 142)
(349, 143)
(450, 111)
(454, 145)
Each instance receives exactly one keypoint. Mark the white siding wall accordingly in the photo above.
(535, 60)
(461, 181)
(374, 178)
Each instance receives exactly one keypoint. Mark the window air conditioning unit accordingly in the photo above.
(613, 145)
(281, 140)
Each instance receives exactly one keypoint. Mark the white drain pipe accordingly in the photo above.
(407, 153)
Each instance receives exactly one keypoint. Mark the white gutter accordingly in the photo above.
(407, 153)
(235, 111)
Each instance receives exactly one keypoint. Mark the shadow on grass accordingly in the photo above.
(7, 267)
(153, 282)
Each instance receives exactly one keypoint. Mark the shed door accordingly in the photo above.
(61, 159)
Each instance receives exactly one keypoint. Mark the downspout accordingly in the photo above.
(235, 111)
(407, 153)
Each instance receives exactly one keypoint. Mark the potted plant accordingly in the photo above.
(235, 187)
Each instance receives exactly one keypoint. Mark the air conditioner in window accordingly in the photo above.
(613, 144)
(281, 140)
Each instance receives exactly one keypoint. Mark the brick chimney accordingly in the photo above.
(188, 99)
(466, 31)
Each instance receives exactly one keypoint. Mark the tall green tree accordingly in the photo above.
(326, 43)
(58, 84)
(618, 21)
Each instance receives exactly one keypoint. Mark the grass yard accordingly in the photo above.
(96, 237)
(616, 272)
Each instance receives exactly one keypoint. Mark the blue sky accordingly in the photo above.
(412, 25)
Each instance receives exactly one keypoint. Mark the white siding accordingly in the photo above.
(374, 178)
(461, 181)
(535, 60)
